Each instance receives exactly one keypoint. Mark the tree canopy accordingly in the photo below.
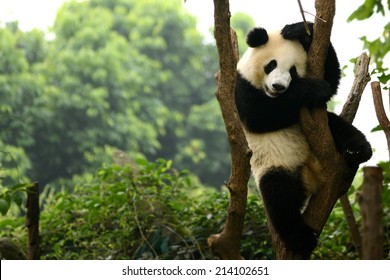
(128, 75)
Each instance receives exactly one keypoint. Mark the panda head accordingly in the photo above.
(271, 62)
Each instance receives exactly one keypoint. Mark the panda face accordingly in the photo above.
(272, 66)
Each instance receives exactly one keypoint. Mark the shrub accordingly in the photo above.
(148, 211)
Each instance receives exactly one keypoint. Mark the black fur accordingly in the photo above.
(260, 113)
(283, 196)
(349, 141)
(283, 191)
(298, 32)
(256, 37)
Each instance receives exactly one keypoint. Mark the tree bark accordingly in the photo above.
(226, 245)
(362, 77)
(32, 222)
(370, 204)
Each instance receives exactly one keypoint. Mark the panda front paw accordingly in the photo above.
(357, 151)
(315, 92)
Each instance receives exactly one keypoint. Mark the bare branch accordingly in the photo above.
(380, 111)
(362, 77)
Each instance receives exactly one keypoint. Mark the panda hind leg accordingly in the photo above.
(349, 141)
(283, 196)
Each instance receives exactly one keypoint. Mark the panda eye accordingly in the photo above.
(293, 72)
(270, 66)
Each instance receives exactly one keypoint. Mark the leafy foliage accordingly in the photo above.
(148, 211)
(14, 194)
(124, 74)
(379, 47)
(151, 211)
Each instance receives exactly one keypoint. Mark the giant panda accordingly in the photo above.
(271, 88)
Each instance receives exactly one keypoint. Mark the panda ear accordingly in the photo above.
(257, 37)
(297, 31)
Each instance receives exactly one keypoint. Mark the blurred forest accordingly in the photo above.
(116, 76)
(131, 76)
(107, 112)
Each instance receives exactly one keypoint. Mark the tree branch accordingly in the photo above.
(380, 111)
(226, 245)
(362, 77)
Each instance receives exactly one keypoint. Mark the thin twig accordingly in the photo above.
(139, 227)
(303, 17)
(315, 16)
(180, 237)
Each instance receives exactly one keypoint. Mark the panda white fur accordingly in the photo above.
(271, 88)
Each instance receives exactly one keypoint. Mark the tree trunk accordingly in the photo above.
(226, 245)
(32, 222)
(370, 204)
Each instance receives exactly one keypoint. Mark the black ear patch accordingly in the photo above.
(256, 37)
(297, 31)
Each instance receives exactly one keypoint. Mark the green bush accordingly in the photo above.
(145, 211)
(151, 211)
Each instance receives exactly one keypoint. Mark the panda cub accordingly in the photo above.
(271, 88)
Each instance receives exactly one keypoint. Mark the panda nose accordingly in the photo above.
(279, 87)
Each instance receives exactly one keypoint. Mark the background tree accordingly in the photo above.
(129, 75)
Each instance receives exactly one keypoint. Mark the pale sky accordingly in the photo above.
(274, 15)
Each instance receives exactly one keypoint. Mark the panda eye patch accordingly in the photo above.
(270, 66)
(293, 72)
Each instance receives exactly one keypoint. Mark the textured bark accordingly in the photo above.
(370, 204)
(362, 77)
(226, 245)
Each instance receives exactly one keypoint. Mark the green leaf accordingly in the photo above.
(366, 10)
(360, 14)
(4, 206)
(18, 198)
(377, 128)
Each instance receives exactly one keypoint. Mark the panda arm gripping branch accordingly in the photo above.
(271, 89)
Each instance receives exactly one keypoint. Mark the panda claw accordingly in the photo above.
(360, 154)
